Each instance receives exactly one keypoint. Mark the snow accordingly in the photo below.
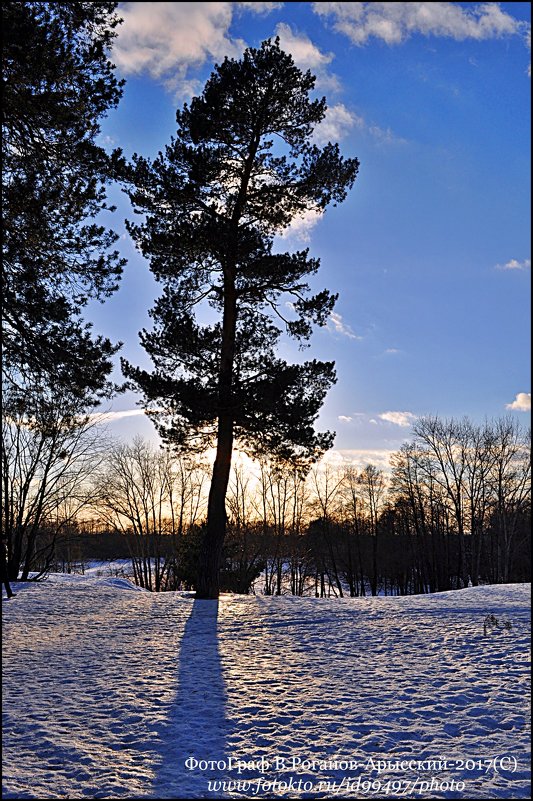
(109, 567)
(110, 693)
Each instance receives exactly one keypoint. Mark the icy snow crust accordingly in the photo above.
(107, 693)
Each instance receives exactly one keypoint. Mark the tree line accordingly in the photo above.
(453, 510)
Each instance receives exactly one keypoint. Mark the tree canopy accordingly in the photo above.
(58, 82)
(241, 168)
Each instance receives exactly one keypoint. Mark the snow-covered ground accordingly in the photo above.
(113, 692)
(110, 567)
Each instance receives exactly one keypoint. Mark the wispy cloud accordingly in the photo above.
(336, 124)
(337, 324)
(339, 120)
(522, 402)
(403, 419)
(308, 56)
(107, 417)
(303, 50)
(358, 458)
(106, 141)
(385, 136)
(166, 39)
(355, 418)
(259, 8)
(394, 23)
(514, 264)
(301, 226)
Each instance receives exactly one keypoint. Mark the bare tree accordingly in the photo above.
(373, 485)
(299, 555)
(275, 501)
(447, 445)
(468, 482)
(49, 452)
(282, 508)
(243, 554)
(326, 484)
(510, 486)
(154, 498)
(355, 525)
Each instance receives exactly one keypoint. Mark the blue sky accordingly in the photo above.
(430, 253)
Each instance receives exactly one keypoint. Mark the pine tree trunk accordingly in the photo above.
(208, 584)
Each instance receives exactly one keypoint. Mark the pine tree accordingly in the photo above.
(58, 82)
(241, 167)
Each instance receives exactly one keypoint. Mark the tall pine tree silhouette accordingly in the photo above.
(241, 168)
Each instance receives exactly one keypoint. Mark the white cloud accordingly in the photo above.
(394, 23)
(259, 8)
(308, 56)
(514, 264)
(357, 419)
(337, 122)
(522, 402)
(340, 327)
(165, 39)
(106, 140)
(168, 40)
(106, 417)
(403, 419)
(301, 227)
(385, 136)
(358, 458)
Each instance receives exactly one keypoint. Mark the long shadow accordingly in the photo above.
(197, 730)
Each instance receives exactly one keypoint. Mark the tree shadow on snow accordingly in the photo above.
(197, 729)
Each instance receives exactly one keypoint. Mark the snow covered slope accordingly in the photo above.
(110, 693)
